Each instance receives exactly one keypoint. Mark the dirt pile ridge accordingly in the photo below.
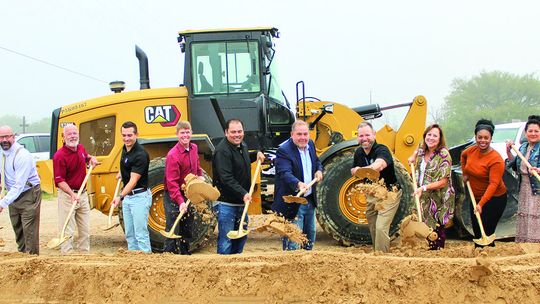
(329, 277)
(508, 273)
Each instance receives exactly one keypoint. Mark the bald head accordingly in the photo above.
(6, 137)
(71, 136)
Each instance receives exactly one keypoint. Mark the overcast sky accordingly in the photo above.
(394, 50)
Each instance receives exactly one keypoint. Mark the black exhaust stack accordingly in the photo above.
(143, 68)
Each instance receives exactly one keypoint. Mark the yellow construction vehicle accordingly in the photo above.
(231, 73)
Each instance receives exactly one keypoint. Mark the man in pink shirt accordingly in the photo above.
(181, 160)
(69, 165)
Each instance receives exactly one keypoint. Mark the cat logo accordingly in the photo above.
(166, 115)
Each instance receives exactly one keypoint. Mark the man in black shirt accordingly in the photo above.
(375, 156)
(232, 176)
(135, 197)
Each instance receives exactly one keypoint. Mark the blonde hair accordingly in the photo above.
(183, 124)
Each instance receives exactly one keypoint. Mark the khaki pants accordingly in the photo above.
(80, 216)
(379, 222)
(24, 215)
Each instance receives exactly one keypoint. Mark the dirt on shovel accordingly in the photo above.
(278, 224)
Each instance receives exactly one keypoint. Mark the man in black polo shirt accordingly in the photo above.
(232, 176)
(375, 156)
(135, 197)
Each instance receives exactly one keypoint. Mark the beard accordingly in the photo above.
(72, 143)
(366, 144)
(5, 145)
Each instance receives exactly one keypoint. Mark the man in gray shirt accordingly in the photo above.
(24, 192)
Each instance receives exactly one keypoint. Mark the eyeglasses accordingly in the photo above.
(2, 137)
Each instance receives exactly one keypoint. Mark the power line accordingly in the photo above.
(53, 65)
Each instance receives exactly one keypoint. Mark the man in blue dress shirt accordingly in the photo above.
(24, 192)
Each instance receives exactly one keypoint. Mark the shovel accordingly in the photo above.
(525, 161)
(297, 198)
(418, 228)
(416, 198)
(371, 174)
(56, 242)
(233, 234)
(171, 234)
(485, 240)
(110, 224)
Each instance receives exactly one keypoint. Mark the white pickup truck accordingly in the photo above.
(503, 132)
(39, 144)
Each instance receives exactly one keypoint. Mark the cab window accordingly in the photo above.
(97, 136)
(225, 67)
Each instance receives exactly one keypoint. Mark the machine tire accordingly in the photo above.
(336, 219)
(201, 230)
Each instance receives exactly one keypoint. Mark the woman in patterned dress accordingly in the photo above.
(433, 168)
(528, 215)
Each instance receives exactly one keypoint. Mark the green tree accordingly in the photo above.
(42, 125)
(499, 96)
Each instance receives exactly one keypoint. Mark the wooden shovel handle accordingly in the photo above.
(116, 190)
(179, 217)
(251, 188)
(416, 198)
(526, 162)
(74, 203)
(313, 181)
(478, 218)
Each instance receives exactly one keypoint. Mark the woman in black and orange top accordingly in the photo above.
(483, 167)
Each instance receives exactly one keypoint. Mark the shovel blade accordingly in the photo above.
(236, 234)
(295, 199)
(485, 241)
(110, 227)
(56, 242)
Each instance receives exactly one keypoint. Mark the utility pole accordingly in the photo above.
(24, 125)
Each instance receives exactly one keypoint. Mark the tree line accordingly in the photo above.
(500, 96)
(32, 126)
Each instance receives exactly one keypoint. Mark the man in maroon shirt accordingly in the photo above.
(69, 164)
(181, 160)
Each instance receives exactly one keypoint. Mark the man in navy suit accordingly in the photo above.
(297, 165)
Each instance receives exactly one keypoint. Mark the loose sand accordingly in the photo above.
(263, 273)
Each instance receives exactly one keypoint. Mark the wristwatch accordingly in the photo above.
(121, 197)
(424, 188)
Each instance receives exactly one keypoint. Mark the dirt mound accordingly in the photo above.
(348, 277)
(508, 273)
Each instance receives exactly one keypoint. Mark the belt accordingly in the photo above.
(137, 191)
(26, 191)
(77, 191)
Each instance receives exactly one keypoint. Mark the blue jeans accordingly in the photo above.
(135, 209)
(305, 220)
(229, 219)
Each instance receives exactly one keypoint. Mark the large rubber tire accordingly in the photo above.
(202, 230)
(340, 209)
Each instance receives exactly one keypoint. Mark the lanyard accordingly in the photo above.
(3, 191)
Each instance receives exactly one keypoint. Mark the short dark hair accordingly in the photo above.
(365, 124)
(442, 141)
(228, 123)
(298, 123)
(532, 120)
(130, 124)
(484, 124)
